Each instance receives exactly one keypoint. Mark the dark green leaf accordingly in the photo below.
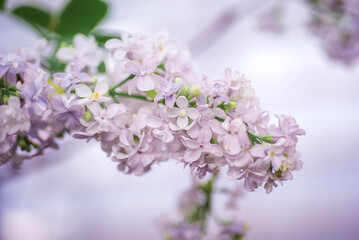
(102, 67)
(2, 4)
(102, 38)
(35, 16)
(81, 16)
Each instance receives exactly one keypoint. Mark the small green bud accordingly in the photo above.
(95, 78)
(178, 79)
(233, 104)
(268, 138)
(185, 90)
(17, 93)
(87, 116)
(195, 91)
(5, 99)
(22, 143)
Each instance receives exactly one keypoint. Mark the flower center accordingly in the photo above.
(182, 113)
(94, 96)
(272, 154)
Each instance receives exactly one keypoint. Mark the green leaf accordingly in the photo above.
(81, 16)
(101, 67)
(152, 93)
(102, 37)
(35, 16)
(2, 4)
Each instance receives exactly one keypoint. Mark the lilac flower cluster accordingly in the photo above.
(148, 106)
(337, 24)
(27, 125)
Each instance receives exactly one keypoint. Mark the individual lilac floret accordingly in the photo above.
(67, 113)
(196, 149)
(10, 65)
(72, 76)
(31, 91)
(168, 92)
(13, 119)
(85, 92)
(182, 113)
(144, 79)
(140, 158)
(84, 53)
(233, 134)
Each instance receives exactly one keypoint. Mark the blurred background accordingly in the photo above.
(77, 192)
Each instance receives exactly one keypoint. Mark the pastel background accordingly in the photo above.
(77, 193)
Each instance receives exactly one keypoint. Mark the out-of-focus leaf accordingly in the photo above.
(102, 67)
(2, 4)
(102, 38)
(81, 16)
(35, 16)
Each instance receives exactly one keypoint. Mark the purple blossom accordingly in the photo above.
(31, 91)
(168, 92)
(145, 79)
(10, 65)
(72, 76)
(67, 113)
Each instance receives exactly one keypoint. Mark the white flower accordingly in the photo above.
(88, 96)
(183, 112)
(13, 118)
(85, 52)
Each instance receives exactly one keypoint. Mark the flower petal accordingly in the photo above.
(101, 87)
(192, 113)
(182, 102)
(182, 122)
(82, 90)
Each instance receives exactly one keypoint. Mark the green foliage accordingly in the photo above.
(101, 67)
(2, 4)
(103, 37)
(81, 16)
(35, 16)
(152, 93)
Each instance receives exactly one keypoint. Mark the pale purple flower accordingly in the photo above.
(31, 91)
(10, 65)
(168, 92)
(139, 158)
(67, 113)
(182, 113)
(287, 128)
(161, 129)
(71, 77)
(253, 174)
(103, 118)
(13, 119)
(232, 133)
(128, 47)
(129, 126)
(145, 79)
(88, 96)
(196, 149)
(84, 53)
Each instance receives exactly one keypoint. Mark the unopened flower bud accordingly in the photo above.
(178, 79)
(87, 116)
(233, 104)
(268, 138)
(185, 90)
(5, 99)
(195, 91)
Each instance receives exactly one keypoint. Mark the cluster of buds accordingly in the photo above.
(143, 101)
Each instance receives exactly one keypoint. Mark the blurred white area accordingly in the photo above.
(82, 196)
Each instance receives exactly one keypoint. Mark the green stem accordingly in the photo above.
(124, 94)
